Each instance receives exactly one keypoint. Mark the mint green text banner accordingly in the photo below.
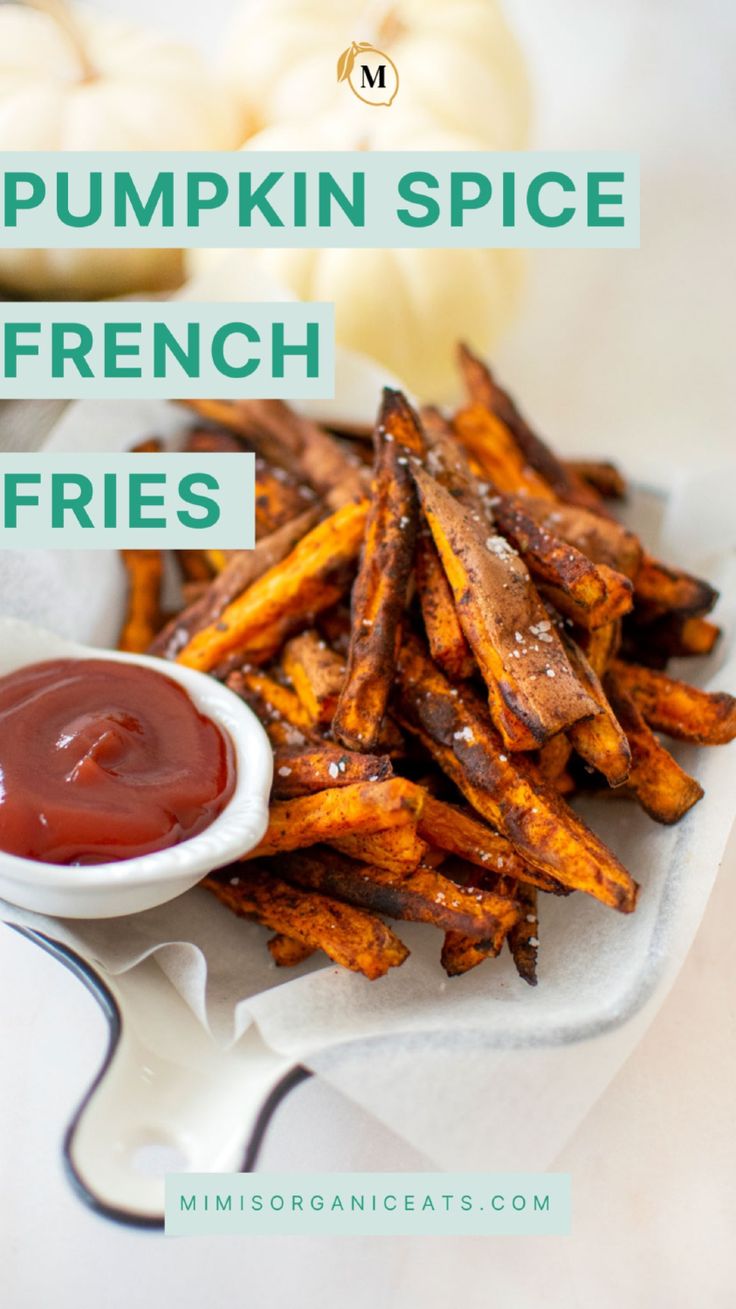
(114, 501)
(329, 199)
(162, 350)
(368, 1204)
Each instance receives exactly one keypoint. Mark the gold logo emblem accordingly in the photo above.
(370, 74)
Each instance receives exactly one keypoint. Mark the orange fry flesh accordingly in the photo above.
(533, 691)
(357, 940)
(457, 732)
(305, 582)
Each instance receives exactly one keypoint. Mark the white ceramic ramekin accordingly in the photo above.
(129, 885)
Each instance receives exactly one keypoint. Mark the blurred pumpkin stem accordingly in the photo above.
(390, 28)
(61, 14)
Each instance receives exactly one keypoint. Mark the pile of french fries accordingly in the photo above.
(446, 634)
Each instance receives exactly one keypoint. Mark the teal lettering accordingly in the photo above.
(139, 501)
(595, 200)
(75, 350)
(408, 191)
(13, 500)
(61, 500)
(63, 208)
(189, 496)
(279, 349)
(14, 201)
(459, 201)
(127, 196)
(533, 199)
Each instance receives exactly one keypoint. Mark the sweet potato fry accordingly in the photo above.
(664, 790)
(303, 770)
(454, 726)
(280, 700)
(669, 638)
(603, 540)
(194, 565)
(663, 590)
(242, 569)
(603, 476)
(680, 711)
(447, 643)
(143, 609)
(600, 646)
(316, 673)
(483, 389)
(422, 896)
(364, 807)
(591, 594)
(600, 741)
(460, 953)
(380, 588)
(349, 936)
(552, 762)
(460, 833)
(533, 692)
(523, 935)
(493, 448)
(276, 706)
(286, 438)
(395, 849)
(310, 578)
(286, 952)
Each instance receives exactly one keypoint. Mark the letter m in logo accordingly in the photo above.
(373, 79)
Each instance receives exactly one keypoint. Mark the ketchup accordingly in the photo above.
(101, 760)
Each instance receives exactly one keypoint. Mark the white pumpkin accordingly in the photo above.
(81, 80)
(462, 87)
(459, 65)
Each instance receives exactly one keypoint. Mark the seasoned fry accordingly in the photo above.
(194, 565)
(242, 569)
(483, 389)
(458, 734)
(493, 448)
(523, 935)
(316, 673)
(460, 953)
(600, 741)
(380, 589)
(280, 700)
(395, 849)
(591, 594)
(286, 952)
(422, 896)
(664, 790)
(533, 692)
(680, 711)
(364, 807)
(143, 611)
(552, 762)
(276, 706)
(669, 638)
(460, 833)
(663, 590)
(286, 438)
(603, 476)
(603, 540)
(302, 770)
(600, 646)
(309, 579)
(357, 940)
(447, 643)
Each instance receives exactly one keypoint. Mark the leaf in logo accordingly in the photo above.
(345, 63)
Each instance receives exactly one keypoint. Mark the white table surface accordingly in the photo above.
(629, 353)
